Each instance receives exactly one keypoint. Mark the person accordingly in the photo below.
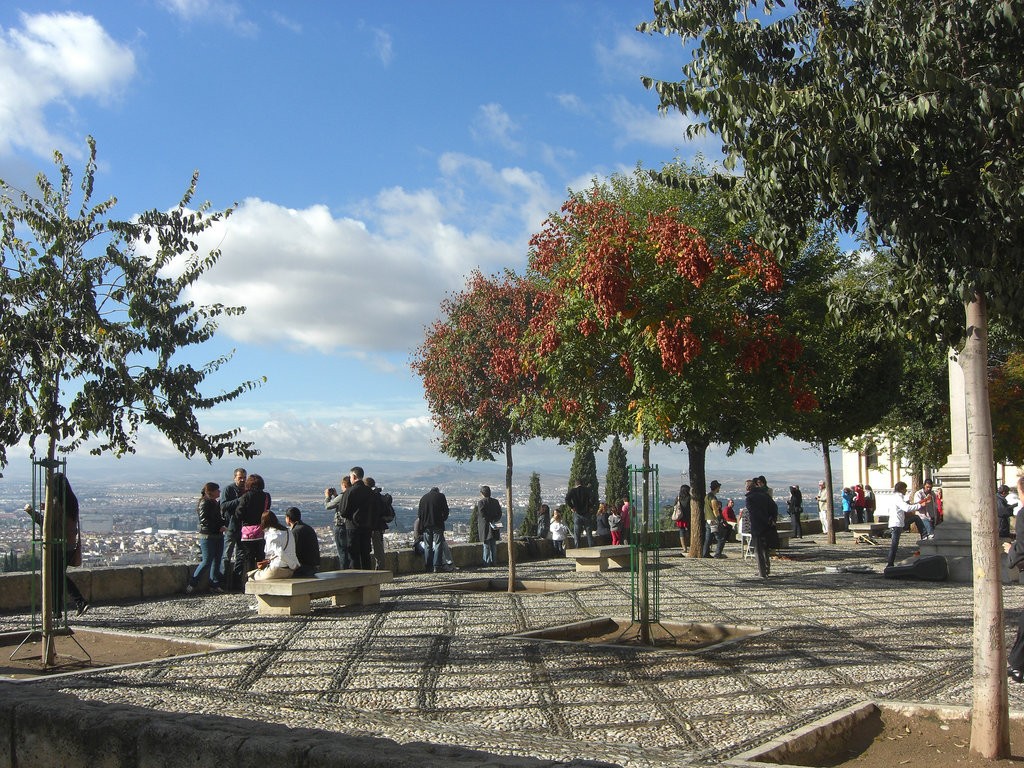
(544, 522)
(1015, 559)
(488, 518)
(384, 507)
(870, 503)
(359, 507)
(729, 516)
(578, 500)
(602, 525)
(683, 524)
(713, 522)
(763, 512)
(859, 502)
(251, 506)
(559, 532)
(280, 560)
(901, 514)
(66, 538)
(926, 499)
(614, 525)
(823, 513)
(307, 545)
(1003, 511)
(432, 514)
(796, 508)
(211, 538)
(342, 527)
(848, 513)
(624, 514)
(231, 564)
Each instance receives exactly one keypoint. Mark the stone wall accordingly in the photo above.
(39, 727)
(20, 591)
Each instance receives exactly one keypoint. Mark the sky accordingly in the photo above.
(375, 154)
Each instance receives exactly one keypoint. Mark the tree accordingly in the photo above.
(91, 323)
(853, 368)
(616, 481)
(529, 525)
(1006, 391)
(478, 389)
(904, 120)
(655, 321)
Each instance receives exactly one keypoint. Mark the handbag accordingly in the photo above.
(251, 532)
(771, 537)
(677, 512)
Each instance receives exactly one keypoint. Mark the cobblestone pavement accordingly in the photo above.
(439, 666)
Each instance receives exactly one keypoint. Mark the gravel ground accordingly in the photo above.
(441, 666)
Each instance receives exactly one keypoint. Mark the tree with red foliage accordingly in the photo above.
(478, 388)
(656, 322)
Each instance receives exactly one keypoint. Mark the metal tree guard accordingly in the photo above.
(644, 549)
(52, 554)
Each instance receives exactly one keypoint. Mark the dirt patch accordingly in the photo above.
(660, 635)
(85, 650)
(895, 740)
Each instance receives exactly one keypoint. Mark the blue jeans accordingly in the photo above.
(341, 541)
(711, 532)
(433, 544)
(583, 526)
(926, 522)
(490, 551)
(211, 549)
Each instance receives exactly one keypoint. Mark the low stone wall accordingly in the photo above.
(39, 727)
(18, 591)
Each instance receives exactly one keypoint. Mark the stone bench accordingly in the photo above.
(289, 597)
(866, 532)
(600, 558)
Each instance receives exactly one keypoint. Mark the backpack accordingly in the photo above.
(387, 508)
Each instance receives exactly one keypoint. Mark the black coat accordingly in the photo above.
(307, 547)
(359, 506)
(210, 518)
(488, 512)
(762, 509)
(433, 510)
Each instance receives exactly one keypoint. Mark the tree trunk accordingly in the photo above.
(50, 564)
(641, 550)
(697, 452)
(826, 451)
(990, 729)
(511, 516)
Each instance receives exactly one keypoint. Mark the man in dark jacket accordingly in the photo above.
(231, 567)
(488, 514)
(432, 514)
(359, 506)
(763, 512)
(307, 546)
(578, 500)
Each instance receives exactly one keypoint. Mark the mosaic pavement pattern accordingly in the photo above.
(440, 666)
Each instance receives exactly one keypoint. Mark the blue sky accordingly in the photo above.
(377, 153)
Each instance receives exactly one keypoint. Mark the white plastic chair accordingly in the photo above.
(746, 539)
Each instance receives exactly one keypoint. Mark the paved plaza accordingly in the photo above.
(428, 665)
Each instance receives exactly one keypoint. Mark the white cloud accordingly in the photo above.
(628, 55)
(493, 125)
(368, 285)
(225, 12)
(645, 125)
(382, 46)
(51, 60)
(572, 103)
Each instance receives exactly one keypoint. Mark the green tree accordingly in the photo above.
(583, 471)
(1006, 391)
(479, 391)
(905, 120)
(853, 368)
(616, 480)
(91, 324)
(529, 525)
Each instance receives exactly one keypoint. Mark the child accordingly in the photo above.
(559, 532)
(615, 524)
